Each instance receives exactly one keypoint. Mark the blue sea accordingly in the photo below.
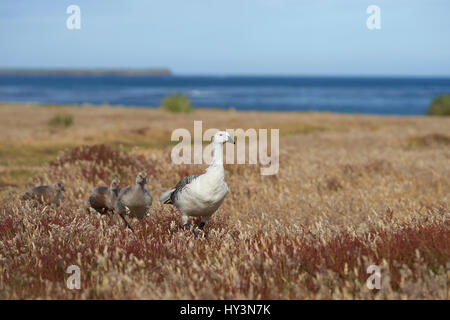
(380, 96)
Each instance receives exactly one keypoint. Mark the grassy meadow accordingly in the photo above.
(351, 191)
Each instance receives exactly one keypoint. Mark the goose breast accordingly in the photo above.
(201, 197)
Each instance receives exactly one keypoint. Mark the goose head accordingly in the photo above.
(115, 185)
(58, 186)
(141, 178)
(222, 137)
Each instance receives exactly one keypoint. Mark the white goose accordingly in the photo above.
(201, 194)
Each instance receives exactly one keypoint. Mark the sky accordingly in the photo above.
(230, 37)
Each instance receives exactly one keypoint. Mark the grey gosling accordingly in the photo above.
(102, 199)
(135, 198)
(52, 194)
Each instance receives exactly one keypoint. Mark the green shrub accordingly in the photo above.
(178, 103)
(440, 106)
(61, 121)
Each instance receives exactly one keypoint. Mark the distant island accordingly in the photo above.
(88, 72)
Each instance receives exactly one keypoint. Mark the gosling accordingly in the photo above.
(102, 199)
(52, 194)
(135, 198)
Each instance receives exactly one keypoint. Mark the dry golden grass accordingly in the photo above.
(351, 191)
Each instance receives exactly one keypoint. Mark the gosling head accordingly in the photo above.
(115, 185)
(141, 178)
(59, 186)
(222, 137)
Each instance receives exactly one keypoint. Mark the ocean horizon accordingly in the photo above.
(340, 94)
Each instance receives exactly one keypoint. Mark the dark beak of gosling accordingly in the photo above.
(230, 140)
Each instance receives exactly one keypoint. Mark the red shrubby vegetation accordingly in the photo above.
(239, 259)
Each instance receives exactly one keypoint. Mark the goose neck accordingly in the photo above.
(140, 186)
(217, 160)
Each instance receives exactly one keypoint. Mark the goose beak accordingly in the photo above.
(230, 140)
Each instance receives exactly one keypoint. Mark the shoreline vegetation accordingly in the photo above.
(352, 191)
(440, 106)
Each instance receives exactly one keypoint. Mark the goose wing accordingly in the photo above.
(170, 196)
